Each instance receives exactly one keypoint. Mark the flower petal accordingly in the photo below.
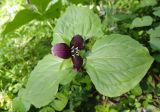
(61, 50)
(77, 41)
(77, 62)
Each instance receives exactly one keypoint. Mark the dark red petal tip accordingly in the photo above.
(77, 41)
(61, 50)
(77, 62)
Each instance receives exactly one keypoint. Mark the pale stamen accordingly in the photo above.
(74, 51)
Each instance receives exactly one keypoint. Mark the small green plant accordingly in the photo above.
(115, 63)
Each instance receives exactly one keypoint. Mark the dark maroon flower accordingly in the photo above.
(64, 51)
(77, 62)
(77, 41)
(61, 50)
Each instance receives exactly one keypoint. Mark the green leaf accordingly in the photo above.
(140, 22)
(41, 5)
(156, 8)
(77, 20)
(137, 90)
(47, 109)
(122, 16)
(155, 43)
(155, 38)
(25, 102)
(54, 10)
(79, 1)
(18, 105)
(60, 102)
(158, 89)
(42, 85)
(102, 108)
(116, 64)
(21, 18)
(69, 77)
(155, 32)
(151, 81)
(145, 3)
(157, 13)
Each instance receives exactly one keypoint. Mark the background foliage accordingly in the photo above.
(22, 48)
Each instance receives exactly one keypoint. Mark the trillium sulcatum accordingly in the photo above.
(64, 51)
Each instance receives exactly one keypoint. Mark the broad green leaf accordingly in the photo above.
(156, 8)
(18, 105)
(41, 5)
(21, 18)
(60, 102)
(77, 20)
(140, 22)
(25, 102)
(155, 43)
(145, 3)
(43, 82)
(69, 77)
(117, 63)
(122, 16)
(155, 32)
(157, 13)
(54, 10)
(155, 38)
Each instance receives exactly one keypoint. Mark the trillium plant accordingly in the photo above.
(115, 63)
